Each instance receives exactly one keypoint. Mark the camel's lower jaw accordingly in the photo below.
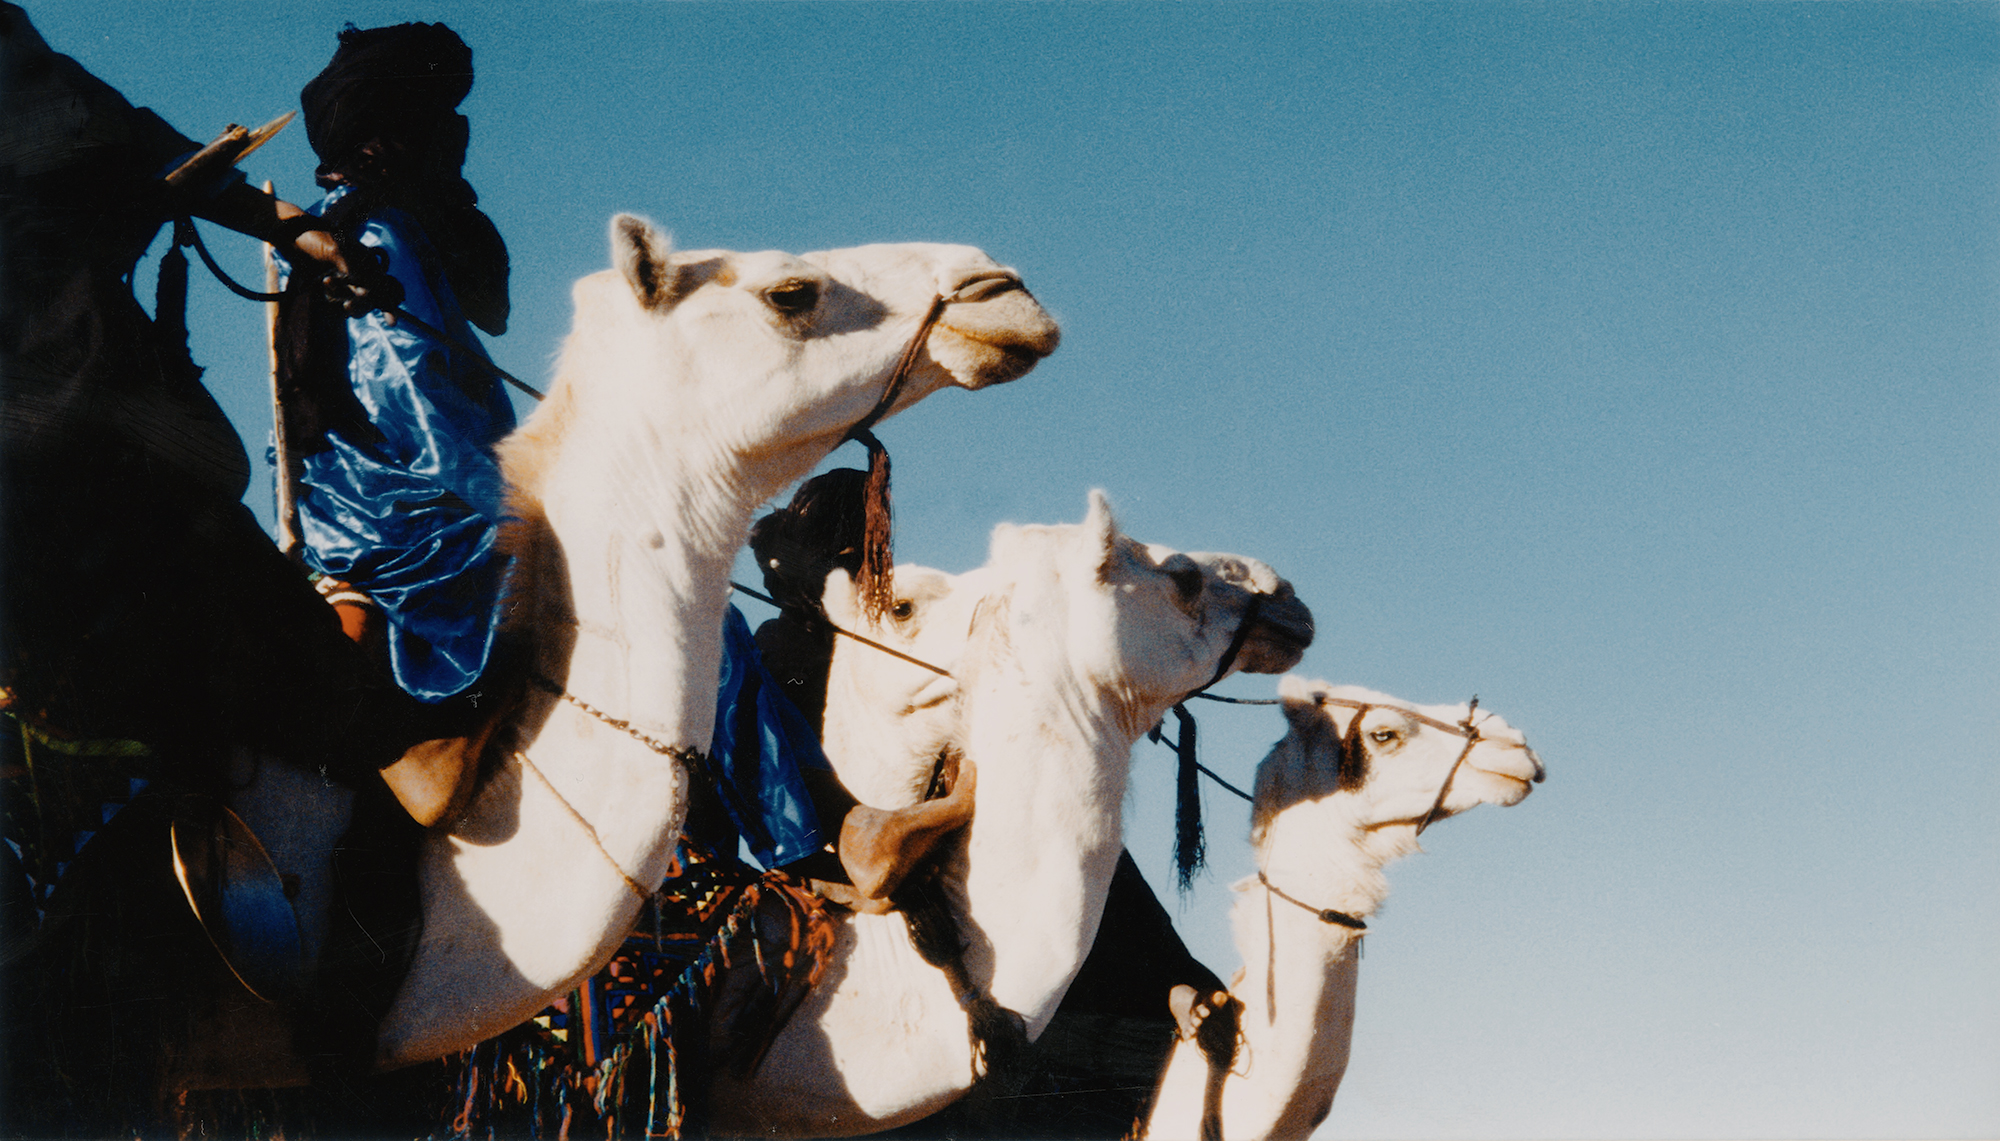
(978, 360)
(998, 364)
(1512, 789)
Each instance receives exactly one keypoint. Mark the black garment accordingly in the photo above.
(1093, 1071)
(139, 599)
(395, 89)
(138, 596)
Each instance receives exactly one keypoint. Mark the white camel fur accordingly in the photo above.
(693, 387)
(1066, 647)
(1322, 832)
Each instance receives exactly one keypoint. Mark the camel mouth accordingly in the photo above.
(1281, 636)
(995, 311)
(1527, 781)
(985, 286)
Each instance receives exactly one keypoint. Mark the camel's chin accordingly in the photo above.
(1000, 364)
(1270, 655)
(1506, 789)
(976, 362)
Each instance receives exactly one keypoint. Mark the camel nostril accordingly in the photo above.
(985, 286)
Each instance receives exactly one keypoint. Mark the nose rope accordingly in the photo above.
(846, 633)
(1472, 738)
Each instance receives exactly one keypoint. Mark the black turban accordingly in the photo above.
(398, 81)
(404, 83)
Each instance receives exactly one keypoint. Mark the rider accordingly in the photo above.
(139, 598)
(402, 489)
(772, 709)
(394, 425)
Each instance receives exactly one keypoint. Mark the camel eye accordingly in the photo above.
(902, 610)
(793, 297)
(1382, 736)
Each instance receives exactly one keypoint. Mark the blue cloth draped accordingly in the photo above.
(761, 742)
(410, 517)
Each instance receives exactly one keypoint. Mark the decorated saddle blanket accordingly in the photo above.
(720, 958)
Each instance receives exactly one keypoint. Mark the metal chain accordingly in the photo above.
(693, 758)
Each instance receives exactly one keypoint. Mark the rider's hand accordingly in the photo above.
(355, 277)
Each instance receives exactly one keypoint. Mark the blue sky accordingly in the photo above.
(1631, 366)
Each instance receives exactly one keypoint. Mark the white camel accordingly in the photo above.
(693, 387)
(1071, 642)
(1346, 791)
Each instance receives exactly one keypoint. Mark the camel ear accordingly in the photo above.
(645, 257)
(840, 601)
(1102, 531)
(1301, 705)
(1353, 771)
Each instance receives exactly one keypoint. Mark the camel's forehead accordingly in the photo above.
(735, 264)
(925, 265)
(929, 585)
(921, 584)
(1360, 695)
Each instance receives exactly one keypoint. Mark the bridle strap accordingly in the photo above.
(877, 564)
(860, 432)
(1190, 846)
(1472, 738)
(1462, 728)
(1236, 641)
(1326, 915)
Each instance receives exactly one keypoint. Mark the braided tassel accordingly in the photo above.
(876, 582)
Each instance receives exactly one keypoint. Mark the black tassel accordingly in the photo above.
(170, 299)
(1190, 847)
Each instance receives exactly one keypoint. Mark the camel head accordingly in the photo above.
(1065, 648)
(1146, 625)
(760, 362)
(887, 719)
(1365, 760)
(1137, 626)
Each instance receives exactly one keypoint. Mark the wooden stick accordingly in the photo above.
(287, 506)
(226, 151)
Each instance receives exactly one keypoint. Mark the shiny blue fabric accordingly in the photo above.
(761, 742)
(410, 518)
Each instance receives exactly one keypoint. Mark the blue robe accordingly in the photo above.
(761, 742)
(410, 517)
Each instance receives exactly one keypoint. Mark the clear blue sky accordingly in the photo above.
(1631, 366)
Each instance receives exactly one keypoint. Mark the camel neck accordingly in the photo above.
(1297, 990)
(647, 588)
(1042, 846)
(1312, 852)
